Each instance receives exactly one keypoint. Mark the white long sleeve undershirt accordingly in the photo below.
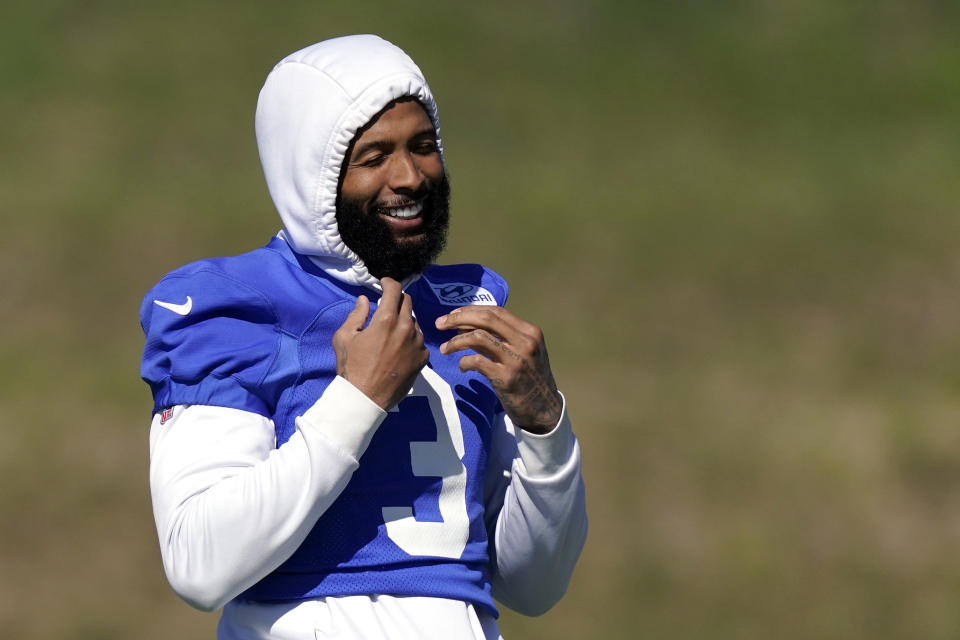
(230, 506)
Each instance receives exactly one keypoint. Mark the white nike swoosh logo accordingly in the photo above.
(180, 309)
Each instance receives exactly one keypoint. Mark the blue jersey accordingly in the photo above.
(253, 332)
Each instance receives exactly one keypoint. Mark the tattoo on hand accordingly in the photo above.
(533, 394)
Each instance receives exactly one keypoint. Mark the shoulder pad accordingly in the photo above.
(210, 339)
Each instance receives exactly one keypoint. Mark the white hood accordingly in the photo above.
(311, 106)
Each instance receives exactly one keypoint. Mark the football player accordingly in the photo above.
(349, 440)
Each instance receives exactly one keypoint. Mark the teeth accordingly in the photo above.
(404, 213)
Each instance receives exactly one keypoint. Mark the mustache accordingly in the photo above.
(406, 201)
(381, 207)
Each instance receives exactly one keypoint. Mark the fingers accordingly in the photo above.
(395, 308)
(358, 316)
(394, 313)
(391, 298)
(483, 366)
(496, 320)
(492, 331)
(406, 306)
(383, 359)
(482, 342)
(406, 315)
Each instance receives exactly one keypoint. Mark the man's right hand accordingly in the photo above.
(384, 359)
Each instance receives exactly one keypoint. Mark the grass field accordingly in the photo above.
(736, 223)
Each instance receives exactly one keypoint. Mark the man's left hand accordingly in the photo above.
(512, 355)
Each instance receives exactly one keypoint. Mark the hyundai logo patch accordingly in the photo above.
(460, 294)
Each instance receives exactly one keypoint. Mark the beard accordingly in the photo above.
(370, 237)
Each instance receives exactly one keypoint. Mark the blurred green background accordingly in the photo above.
(735, 221)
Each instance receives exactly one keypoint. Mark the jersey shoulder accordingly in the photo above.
(457, 285)
(213, 333)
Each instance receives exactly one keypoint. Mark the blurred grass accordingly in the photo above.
(735, 221)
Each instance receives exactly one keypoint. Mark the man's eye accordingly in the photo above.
(426, 147)
(373, 161)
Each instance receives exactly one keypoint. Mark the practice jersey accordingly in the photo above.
(253, 332)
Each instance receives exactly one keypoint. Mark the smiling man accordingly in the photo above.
(394, 201)
(326, 466)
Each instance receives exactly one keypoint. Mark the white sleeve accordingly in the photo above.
(230, 506)
(537, 515)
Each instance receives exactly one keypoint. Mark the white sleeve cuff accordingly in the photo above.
(345, 416)
(546, 454)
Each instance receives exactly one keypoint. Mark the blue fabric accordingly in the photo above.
(257, 338)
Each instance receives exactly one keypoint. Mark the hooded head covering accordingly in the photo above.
(311, 106)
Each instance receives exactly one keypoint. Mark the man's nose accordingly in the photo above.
(405, 175)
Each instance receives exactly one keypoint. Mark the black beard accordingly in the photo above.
(370, 237)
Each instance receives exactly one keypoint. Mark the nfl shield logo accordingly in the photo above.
(166, 415)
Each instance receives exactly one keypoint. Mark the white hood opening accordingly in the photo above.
(310, 107)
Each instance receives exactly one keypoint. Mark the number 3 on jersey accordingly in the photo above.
(440, 458)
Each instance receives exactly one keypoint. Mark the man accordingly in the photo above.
(327, 472)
